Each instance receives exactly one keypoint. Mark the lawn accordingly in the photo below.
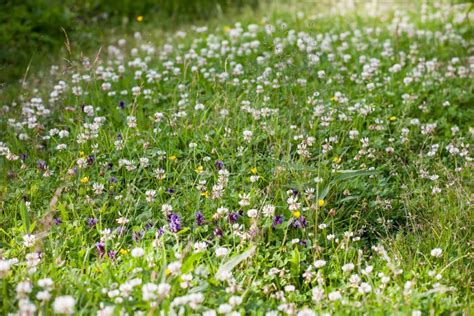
(301, 159)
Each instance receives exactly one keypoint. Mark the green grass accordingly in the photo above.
(370, 171)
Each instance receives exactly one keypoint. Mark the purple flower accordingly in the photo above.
(170, 190)
(121, 230)
(112, 254)
(175, 222)
(219, 164)
(299, 222)
(41, 164)
(90, 159)
(100, 246)
(122, 104)
(277, 220)
(218, 232)
(92, 221)
(23, 156)
(57, 221)
(199, 218)
(148, 226)
(160, 232)
(233, 217)
(136, 236)
(112, 179)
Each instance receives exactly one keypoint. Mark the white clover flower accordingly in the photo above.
(334, 296)
(200, 246)
(317, 294)
(64, 305)
(138, 252)
(252, 213)
(224, 309)
(29, 240)
(222, 251)
(5, 266)
(437, 252)
(247, 135)
(268, 210)
(365, 288)
(348, 267)
(235, 300)
(43, 296)
(174, 267)
(319, 263)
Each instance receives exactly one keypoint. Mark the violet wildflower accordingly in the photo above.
(160, 232)
(277, 220)
(90, 159)
(41, 164)
(91, 222)
(218, 232)
(122, 104)
(233, 217)
(136, 236)
(100, 246)
(174, 222)
(219, 164)
(299, 222)
(199, 218)
(112, 254)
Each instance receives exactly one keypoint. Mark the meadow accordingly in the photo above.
(294, 160)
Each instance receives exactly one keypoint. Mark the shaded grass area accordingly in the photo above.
(33, 31)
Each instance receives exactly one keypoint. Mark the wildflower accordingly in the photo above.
(138, 252)
(348, 267)
(296, 214)
(200, 246)
(139, 18)
(321, 202)
(84, 180)
(319, 263)
(174, 222)
(174, 268)
(437, 252)
(64, 305)
(334, 296)
(5, 266)
(199, 218)
(199, 169)
(317, 294)
(221, 251)
(123, 251)
(29, 240)
(219, 164)
(254, 170)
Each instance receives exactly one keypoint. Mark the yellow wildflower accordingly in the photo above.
(123, 251)
(199, 169)
(321, 202)
(85, 180)
(296, 214)
(139, 18)
(254, 170)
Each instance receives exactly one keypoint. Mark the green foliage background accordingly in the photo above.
(31, 29)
